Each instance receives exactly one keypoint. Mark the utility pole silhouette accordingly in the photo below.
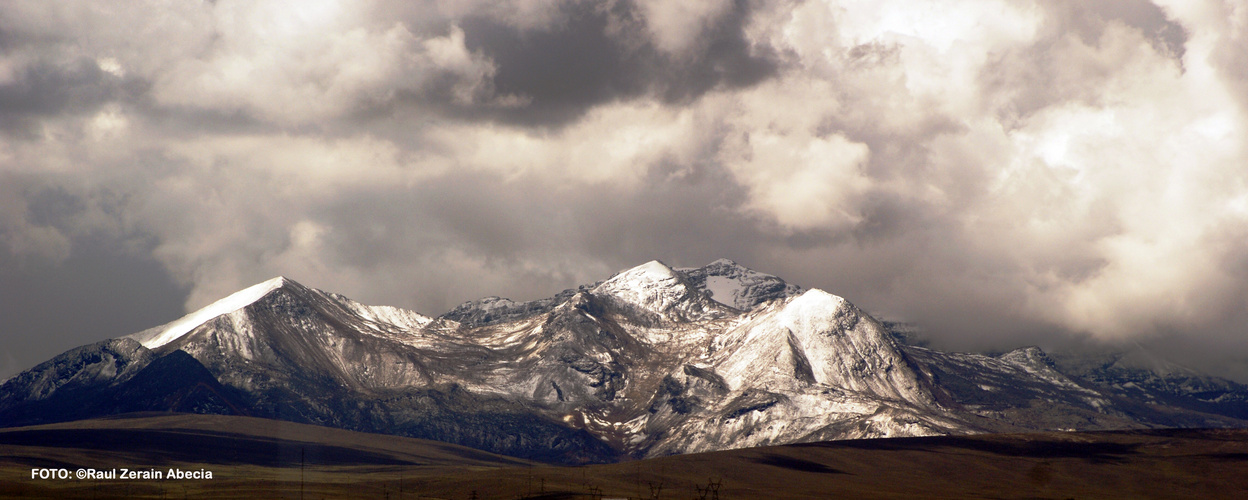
(655, 490)
(638, 479)
(711, 489)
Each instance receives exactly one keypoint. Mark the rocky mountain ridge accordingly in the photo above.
(648, 362)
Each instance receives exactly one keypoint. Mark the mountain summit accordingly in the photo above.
(161, 335)
(650, 361)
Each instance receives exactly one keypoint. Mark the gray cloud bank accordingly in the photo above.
(1001, 172)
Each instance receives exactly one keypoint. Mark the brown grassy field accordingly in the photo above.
(254, 458)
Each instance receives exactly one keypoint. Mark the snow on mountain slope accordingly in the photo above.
(1141, 375)
(805, 368)
(104, 362)
(295, 334)
(384, 315)
(161, 335)
(819, 338)
(1033, 361)
(724, 281)
(1018, 389)
(490, 310)
(660, 291)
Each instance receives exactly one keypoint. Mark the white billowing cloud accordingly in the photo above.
(973, 25)
(801, 177)
(125, 38)
(614, 143)
(296, 64)
(255, 221)
(812, 191)
(1160, 154)
(285, 62)
(1093, 177)
(1171, 207)
(297, 165)
(241, 209)
(921, 50)
(111, 66)
(677, 26)
(108, 124)
(472, 72)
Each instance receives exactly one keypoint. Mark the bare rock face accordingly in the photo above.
(89, 366)
(650, 361)
(736, 286)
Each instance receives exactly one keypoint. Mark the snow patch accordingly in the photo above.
(818, 299)
(646, 274)
(402, 318)
(724, 290)
(652, 285)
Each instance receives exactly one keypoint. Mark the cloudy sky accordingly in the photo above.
(1001, 172)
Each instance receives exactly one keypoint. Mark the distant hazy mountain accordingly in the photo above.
(651, 361)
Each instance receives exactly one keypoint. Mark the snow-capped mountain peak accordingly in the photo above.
(814, 303)
(655, 291)
(161, 335)
(651, 275)
(652, 286)
(832, 343)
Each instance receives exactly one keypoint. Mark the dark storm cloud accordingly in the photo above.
(48, 88)
(103, 289)
(686, 219)
(600, 52)
(45, 88)
(51, 207)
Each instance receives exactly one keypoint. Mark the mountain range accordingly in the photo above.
(652, 361)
